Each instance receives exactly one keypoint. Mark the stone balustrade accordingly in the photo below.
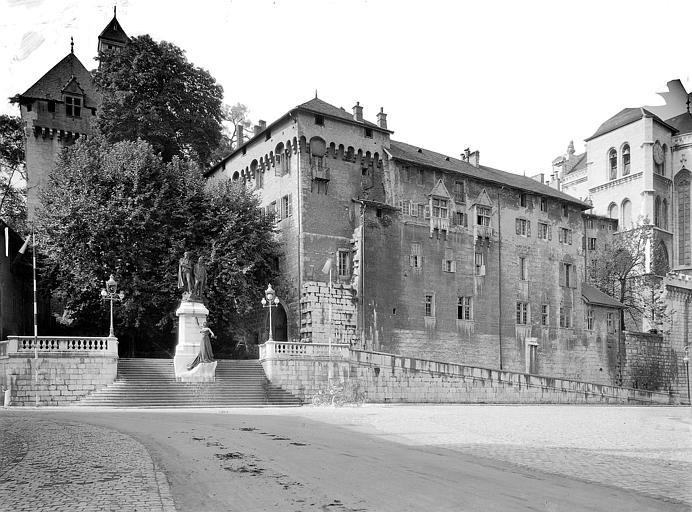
(105, 346)
(288, 350)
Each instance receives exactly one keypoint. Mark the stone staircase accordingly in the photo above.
(151, 383)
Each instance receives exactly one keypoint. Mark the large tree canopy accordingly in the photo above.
(118, 208)
(150, 91)
(12, 172)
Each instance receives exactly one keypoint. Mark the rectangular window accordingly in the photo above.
(449, 264)
(522, 313)
(429, 305)
(479, 261)
(439, 208)
(589, 318)
(271, 211)
(419, 178)
(406, 208)
(482, 216)
(542, 231)
(464, 309)
(565, 317)
(286, 206)
(259, 179)
(523, 227)
(344, 263)
(592, 244)
(51, 106)
(589, 223)
(320, 186)
(459, 191)
(544, 204)
(522, 200)
(523, 275)
(460, 219)
(545, 315)
(610, 320)
(565, 209)
(415, 257)
(368, 133)
(565, 236)
(319, 120)
(567, 275)
(421, 210)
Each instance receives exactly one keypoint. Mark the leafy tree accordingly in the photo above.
(119, 208)
(12, 172)
(618, 268)
(150, 91)
(233, 116)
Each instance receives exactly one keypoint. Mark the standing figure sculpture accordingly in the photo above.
(185, 274)
(200, 278)
(205, 354)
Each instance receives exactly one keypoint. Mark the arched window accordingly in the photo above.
(612, 164)
(682, 187)
(625, 160)
(661, 261)
(279, 160)
(236, 176)
(626, 209)
(318, 148)
(657, 212)
(613, 211)
(664, 214)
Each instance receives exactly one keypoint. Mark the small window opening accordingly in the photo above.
(319, 120)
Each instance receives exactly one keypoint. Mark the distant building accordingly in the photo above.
(433, 256)
(59, 108)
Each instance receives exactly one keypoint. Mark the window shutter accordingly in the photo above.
(559, 235)
(427, 211)
(516, 226)
(573, 282)
(401, 206)
(569, 236)
(528, 228)
(454, 265)
(562, 274)
(550, 232)
(414, 209)
(290, 204)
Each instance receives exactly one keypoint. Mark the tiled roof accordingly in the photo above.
(114, 32)
(575, 163)
(623, 118)
(318, 106)
(593, 295)
(50, 85)
(682, 123)
(424, 157)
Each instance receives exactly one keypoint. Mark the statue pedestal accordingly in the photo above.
(191, 318)
(203, 372)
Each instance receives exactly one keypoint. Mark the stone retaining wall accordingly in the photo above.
(390, 378)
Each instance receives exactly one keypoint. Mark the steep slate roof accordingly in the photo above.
(318, 106)
(625, 117)
(576, 163)
(50, 85)
(114, 32)
(402, 151)
(593, 295)
(682, 123)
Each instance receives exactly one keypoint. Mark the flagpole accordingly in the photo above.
(33, 252)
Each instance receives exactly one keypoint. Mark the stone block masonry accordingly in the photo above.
(315, 311)
(390, 378)
(65, 375)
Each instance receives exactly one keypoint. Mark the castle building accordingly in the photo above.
(431, 256)
(59, 108)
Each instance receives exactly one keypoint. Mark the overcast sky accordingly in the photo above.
(514, 79)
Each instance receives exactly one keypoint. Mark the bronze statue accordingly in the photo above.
(185, 280)
(200, 278)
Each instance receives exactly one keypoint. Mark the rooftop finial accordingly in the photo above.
(71, 44)
(115, 8)
(316, 96)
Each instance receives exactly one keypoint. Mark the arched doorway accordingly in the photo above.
(279, 323)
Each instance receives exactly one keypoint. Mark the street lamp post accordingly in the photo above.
(110, 292)
(270, 300)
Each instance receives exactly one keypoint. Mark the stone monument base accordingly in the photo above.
(203, 372)
(191, 318)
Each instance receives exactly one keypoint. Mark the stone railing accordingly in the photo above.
(286, 350)
(59, 344)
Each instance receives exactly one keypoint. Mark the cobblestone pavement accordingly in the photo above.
(643, 449)
(48, 465)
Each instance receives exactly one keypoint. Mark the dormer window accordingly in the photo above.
(482, 215)
(73, 106)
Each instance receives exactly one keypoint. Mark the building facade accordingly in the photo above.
(431, 256)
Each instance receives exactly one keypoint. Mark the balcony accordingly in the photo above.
(439, 223)
(483, 232)
(319, 171)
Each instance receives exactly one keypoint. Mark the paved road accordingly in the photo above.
(334, 460)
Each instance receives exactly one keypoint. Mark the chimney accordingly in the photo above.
(255, 130)
(239, 133)
(358, 112)
(474, 158)
(465, 155)
(262, 124)
(382, 119)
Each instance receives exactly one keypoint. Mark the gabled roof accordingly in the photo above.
(439, 190)
(682, 123)
(406, 152)
(318, 106)
(51, 85)
(576, 163)
(593, 295)
(624, 117)
(114, 32)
